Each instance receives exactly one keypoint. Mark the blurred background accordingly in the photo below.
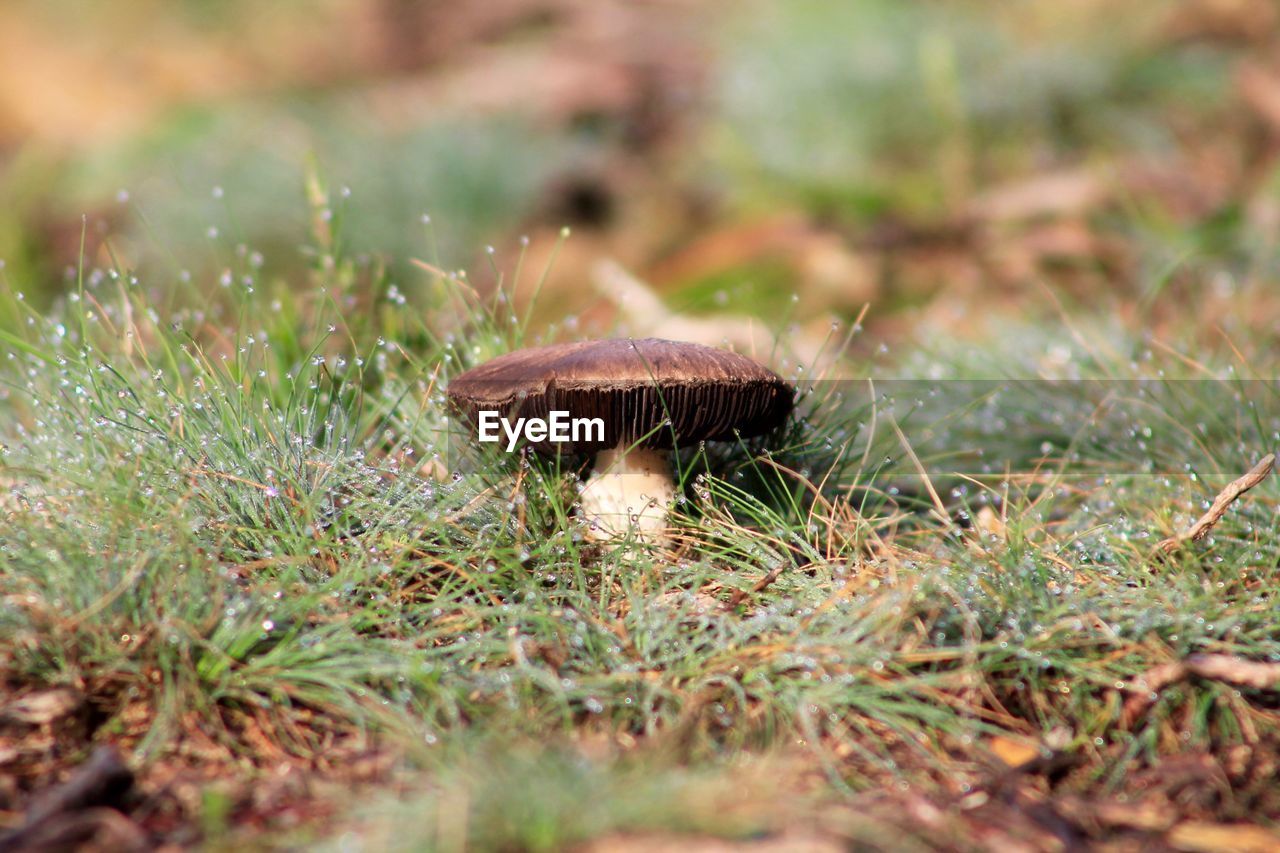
(761, 163)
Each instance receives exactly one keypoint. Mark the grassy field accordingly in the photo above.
(239, 544)
(1007, 579)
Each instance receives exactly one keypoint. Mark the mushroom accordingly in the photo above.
(650, 396)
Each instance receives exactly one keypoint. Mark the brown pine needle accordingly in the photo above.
(760, 586)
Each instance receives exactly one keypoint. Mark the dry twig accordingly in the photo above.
(1221, 503)
(1235, 670)
(1213, 667)
(67, 816)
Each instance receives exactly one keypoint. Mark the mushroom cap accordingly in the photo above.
(633, 386)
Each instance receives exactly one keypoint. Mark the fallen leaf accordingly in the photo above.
(36, 709)
(1223, 838)
(1260, 88)
(1221, 20)
(643, 313)
(989, 522)
(1013, 752)
(824, 265)
(1056, 194)
(1145, 816)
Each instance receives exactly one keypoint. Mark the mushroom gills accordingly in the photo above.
(630, 490)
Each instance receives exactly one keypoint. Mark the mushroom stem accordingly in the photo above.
(629, 489)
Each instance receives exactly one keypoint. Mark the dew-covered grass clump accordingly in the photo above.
(239, 533)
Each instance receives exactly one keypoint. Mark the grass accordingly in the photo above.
(905, 109)
(237, 529)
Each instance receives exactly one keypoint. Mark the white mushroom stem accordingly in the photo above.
(630, 489)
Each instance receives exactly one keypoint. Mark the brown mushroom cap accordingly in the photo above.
(633, 385)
